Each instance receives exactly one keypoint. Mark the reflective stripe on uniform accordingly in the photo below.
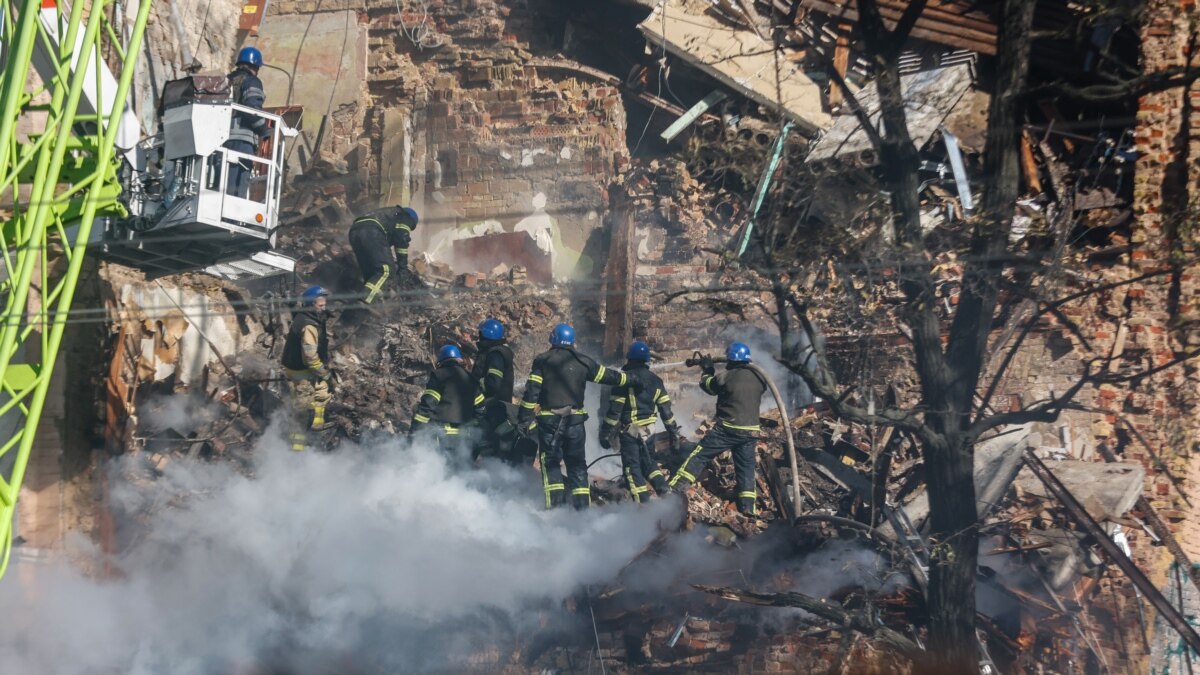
(748, 495)
(375, 289)
(420, 418)
(600, 375)
(450, 429)
(657, 473)
(682, 471)
(728, 425)
(479, 399)
(535, 378)
(547, 413)
(496, 372)
(437, 396)
(528, 405)
(547, 486)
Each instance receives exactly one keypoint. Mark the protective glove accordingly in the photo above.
(525, 427)
(606, 441)
(674, 433)
(707, 365)
(324, 374)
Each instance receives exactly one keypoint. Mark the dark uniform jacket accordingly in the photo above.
(494, 370)
(395, 224)
(739, 393)
(248, 91)
(641, 401)
(557, 380)
(306, 332)
(450, 396)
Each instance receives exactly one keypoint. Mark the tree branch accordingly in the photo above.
(826, 609)
(1162, 80)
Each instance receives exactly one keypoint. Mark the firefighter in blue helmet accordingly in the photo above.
(306, 363)
(373, 237)
(739, 391)
(632, 412)
(451, 400)
(554, 397)
(493, 371)
(246, 130)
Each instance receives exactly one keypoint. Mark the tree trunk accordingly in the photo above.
(953, 555)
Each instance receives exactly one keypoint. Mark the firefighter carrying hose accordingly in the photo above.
(306, 363)
(739, 392)
(556, 385)
(493, 370)
(451, 400)
(373, 236)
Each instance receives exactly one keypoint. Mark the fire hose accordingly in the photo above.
(783, 413)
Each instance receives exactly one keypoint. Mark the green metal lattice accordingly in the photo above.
(61, 177)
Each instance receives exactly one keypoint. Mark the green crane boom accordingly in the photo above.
(61, 177)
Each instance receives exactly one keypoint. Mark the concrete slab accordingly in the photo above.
(996, 463)
(326, 55)
(738, 58)
(929, 97)
(1107, 491)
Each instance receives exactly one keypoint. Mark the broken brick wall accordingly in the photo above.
(1160, 309)
(461, 120)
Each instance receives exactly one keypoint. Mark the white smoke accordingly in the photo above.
(371, 559)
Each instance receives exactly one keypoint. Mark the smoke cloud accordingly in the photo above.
(371, 559)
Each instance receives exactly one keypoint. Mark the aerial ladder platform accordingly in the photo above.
(80, 178)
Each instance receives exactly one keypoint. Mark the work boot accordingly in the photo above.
(747, 507)
(660, 487)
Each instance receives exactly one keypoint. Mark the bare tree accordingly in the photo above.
(957, 364)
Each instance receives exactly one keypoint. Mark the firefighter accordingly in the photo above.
(556, 384)
(373, 236)
(493, 371)
(306, 363)
(632, 412)
(451, 400)
(246, 130)
(739, 392)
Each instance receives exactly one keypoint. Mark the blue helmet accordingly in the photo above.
(449, 352)
(562, 336)
(310, 295)
(250, 56)
(491, 329)
(737, 353)
(638, 351)
(411, 214)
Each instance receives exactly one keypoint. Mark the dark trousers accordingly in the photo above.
(714, 443)
(640, 469)
(452, 440)
(238, 181)
(498, 432)
(373, 252)
(562, 441)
